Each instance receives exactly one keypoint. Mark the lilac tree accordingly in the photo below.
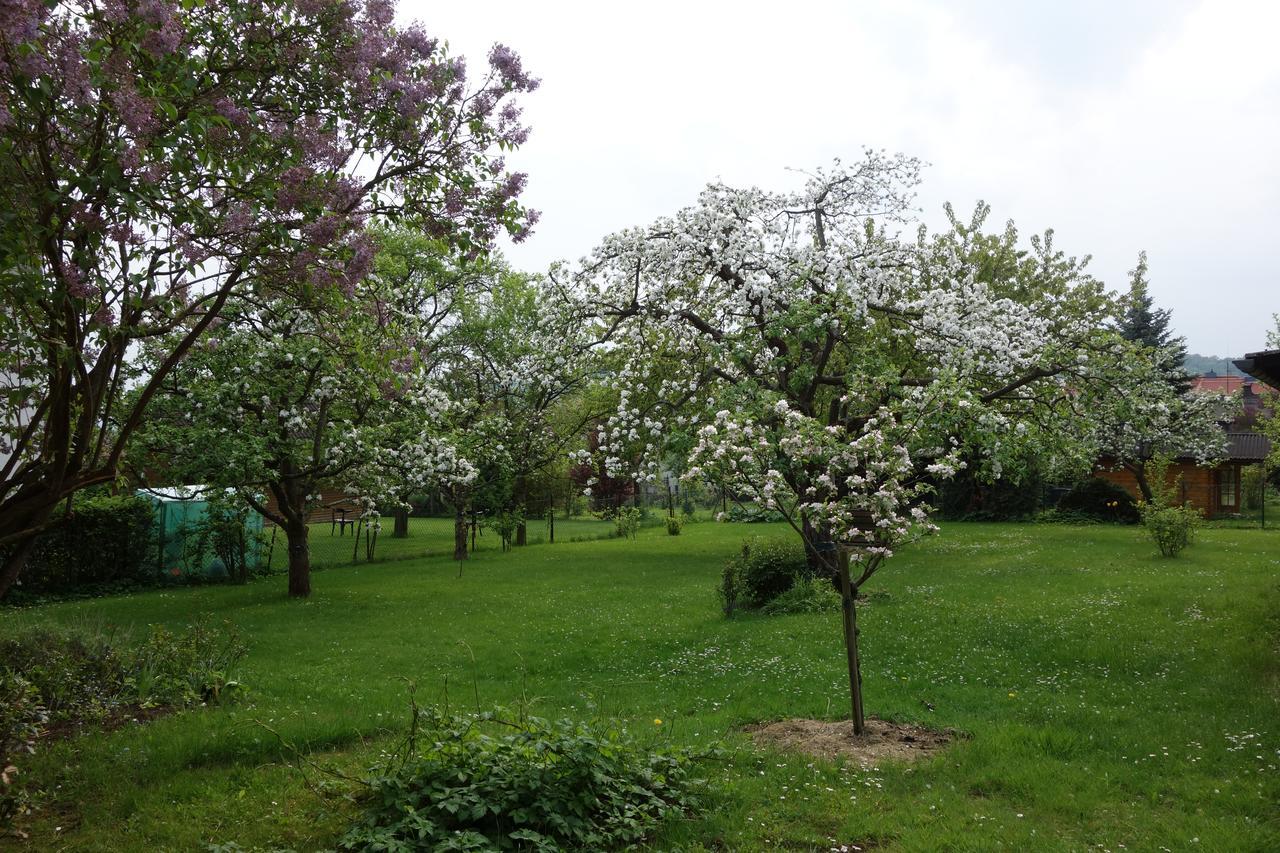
(160, 158)
(800, 353)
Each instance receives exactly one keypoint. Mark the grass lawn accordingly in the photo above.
(1111, 700)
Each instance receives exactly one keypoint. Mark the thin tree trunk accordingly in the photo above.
(522, 498)
(851, 643)
(299, 559)
(822, 564)
(1140, 477)
(459, 532)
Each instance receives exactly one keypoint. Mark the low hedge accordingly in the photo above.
(103, 541)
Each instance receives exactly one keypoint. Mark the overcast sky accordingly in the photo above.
(1151, 124)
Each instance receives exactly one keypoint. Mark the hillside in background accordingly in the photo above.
(1198, 365)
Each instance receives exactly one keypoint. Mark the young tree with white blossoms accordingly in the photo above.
(531, 361)
(803, 355)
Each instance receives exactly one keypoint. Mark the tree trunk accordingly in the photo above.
(1140, 476)
(13, 563)
(459, 532)
(522, 498)
(401, 530)
(821, 563)
(849, 607)
(299, 559)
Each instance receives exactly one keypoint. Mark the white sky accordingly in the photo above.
(1124, 125)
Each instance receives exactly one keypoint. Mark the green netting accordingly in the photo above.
(181, 551)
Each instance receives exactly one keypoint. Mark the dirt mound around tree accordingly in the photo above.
(882, 741)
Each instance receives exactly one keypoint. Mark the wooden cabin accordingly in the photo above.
(1214, 490)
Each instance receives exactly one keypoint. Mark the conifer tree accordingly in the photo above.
(1145, 324)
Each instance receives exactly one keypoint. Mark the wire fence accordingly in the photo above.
(342, 539)
(338, 543)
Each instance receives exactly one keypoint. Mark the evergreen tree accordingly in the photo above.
(1148, 325)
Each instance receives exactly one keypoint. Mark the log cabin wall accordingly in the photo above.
(1214, 491)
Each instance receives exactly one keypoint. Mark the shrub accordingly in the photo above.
(730, 587)
(1100, 500)
(967, 497)
(483, 783)
(187, 668)
(22, 721)
(1171, 524)
(674, 526)
(1253, 487)
(763, 570)
(104, 540)
(224, 530)
(626, 522)
(79, 677)
(1172, 528)
(808, 595)
(506, 523)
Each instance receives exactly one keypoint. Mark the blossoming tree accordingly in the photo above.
(802, 354)
(282, 400)
(160, 158)
(516, 364)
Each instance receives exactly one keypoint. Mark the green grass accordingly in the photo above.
(1110, 699)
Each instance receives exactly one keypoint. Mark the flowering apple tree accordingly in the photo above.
(279, 402)
(162, 158)
(800, 353)
(1152, 420)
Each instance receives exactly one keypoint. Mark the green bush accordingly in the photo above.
(178, 669)
(104, 541)
(1172, 528)
(1171, 523)
(1253, 487)
(79, 676)
(224, 530)
(966, 497)
(22, 720)
(1100, 500)
(482, 783)
(763, 570)
(674, 526)
(626, 522)
(809, 595)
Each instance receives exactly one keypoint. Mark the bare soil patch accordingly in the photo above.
(882, 741)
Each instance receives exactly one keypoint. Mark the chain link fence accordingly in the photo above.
(338, 537)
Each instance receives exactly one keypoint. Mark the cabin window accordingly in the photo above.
(1227, 485)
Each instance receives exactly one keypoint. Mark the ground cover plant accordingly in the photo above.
(1104, 695)
(57, 683)
(503, 781)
